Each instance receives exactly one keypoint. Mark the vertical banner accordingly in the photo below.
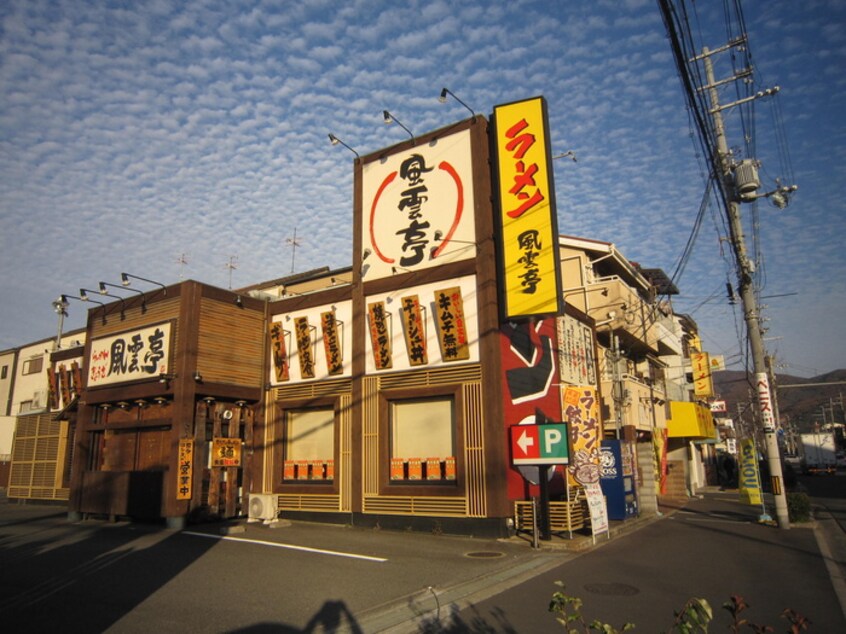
(581, 412)
(380, 336)
(64, 385)
(762, 384)
(702, 383)
(452, 330)
(414, 331)
(185, 472)
(331, 343)
(527, 215)
(53, 386)
(659, 444)
(575, 352)
(305, 348)
(76, 373)
(750, 479)
(279, 352)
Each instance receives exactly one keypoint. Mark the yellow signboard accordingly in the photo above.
(529, 257)
(703, 385)
(226, 452)
(186, 469)
(749, 480)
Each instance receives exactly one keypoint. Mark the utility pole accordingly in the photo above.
(745, 271)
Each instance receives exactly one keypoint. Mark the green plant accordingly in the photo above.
(798, 507)
(695, 616)
(568, 612)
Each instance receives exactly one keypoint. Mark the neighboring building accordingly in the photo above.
(8, 359)
(35, 440)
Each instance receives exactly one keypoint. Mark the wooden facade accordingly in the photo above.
(133, 436)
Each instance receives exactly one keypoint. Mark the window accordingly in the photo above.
(423, 439)
(33, 366)
(310, 444)
(4, 372)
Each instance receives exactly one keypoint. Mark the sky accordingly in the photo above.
(188, 140)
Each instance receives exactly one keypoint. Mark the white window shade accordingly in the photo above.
(422, 429)
(311, 434)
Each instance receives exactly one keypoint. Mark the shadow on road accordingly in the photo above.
(83, 577)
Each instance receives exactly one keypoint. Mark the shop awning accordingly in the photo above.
(690, 420)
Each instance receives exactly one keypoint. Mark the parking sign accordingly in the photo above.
(540, 444)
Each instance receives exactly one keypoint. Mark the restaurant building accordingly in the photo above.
(382, 394)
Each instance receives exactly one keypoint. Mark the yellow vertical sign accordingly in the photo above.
(185, 471)
(529, 257)
(703, 385)
(749, 480)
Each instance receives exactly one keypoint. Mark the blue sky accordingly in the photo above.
(134, 135)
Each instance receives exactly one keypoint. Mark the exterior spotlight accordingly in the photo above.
(443, 99)
(389, 118)
(85, 298)
(103, 286)
(125, 277)
(336, 141)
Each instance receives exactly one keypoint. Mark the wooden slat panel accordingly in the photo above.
(413, 505)
(135, 319)
(231, 344)
(474, 450)
(370, 440)
(309, 502)
(345, 453)
(37, 458)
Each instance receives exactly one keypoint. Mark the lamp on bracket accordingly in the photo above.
(83, 293)
(103, 291)
(389, 118)
(336, 141)
(568, 154)
(125, 280)
(364, 267)
(64, 299)
(439, 237)
(165, 378)
(443, 98)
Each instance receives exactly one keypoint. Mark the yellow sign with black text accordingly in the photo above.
(226, 452)
(528, 223)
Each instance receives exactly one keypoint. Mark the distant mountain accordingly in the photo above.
(802, 404)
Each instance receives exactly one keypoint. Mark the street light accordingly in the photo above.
(60, 306)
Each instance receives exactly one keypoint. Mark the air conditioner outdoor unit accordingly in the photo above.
(263, 506)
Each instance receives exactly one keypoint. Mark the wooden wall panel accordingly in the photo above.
(231, 344)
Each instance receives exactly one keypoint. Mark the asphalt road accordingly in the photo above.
(93, 576)
(713, 548)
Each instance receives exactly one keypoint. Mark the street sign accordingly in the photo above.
(540, 444)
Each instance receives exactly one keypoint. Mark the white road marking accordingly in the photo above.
(319, 551)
